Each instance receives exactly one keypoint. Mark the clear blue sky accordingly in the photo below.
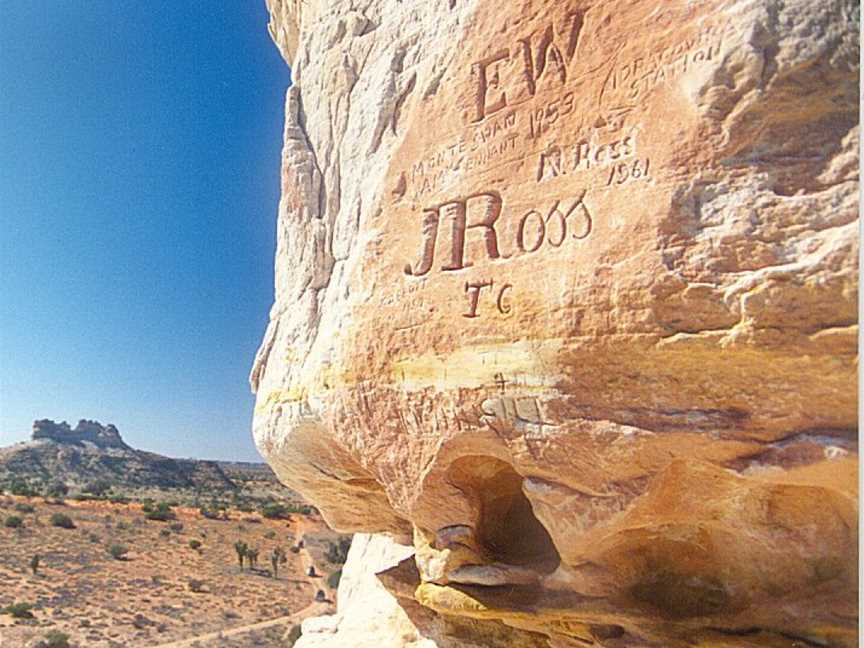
(139, 180)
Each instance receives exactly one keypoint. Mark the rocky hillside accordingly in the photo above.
(567, 307)
(91, 453)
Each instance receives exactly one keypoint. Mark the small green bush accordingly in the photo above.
(19, 610)
(97, 487)
(195, 544)
(57, 489)
(21, 487)
(118, 551)
(161, 513)
(62, 520)
(23, 507)
(55, 639)
(14, 522)
(208, 513)
(274, 511)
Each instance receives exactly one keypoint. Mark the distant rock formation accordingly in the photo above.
(92, 452)
(566, 303)
(86, 431)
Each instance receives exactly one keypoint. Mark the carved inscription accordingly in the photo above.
(478, 215)
(477, 212)
(514, 73)
(480, 146)
(473, 291)
(622, 173)
(450, 230)
(634, 77)
(563, 160)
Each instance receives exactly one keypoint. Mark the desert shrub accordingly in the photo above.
(338, 553)
(118, 499)
(94, 538)
(21, 487)
(277, 557)
(14, 522)
(141, 622)
(252, 557)
(161, 513)
(176, 527)
(121, 525)
(196, 585)
(270, 535)
(23, 507)
(241, 548)
(195, 544)
(56, 489)
(293, 635)
(54, 639)
(214, 511)
(334, 578)
(274, 510)
(62, 520)
(34, 563)
(97, 487)
(148, 504)
(165, 533)
(19, 610)
(210, 514)
(118, 551)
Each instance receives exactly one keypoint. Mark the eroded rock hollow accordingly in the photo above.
(566, 315)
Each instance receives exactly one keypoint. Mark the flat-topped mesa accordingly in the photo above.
(566, 303)
(90, 431)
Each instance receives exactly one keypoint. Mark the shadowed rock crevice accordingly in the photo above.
(508, 532)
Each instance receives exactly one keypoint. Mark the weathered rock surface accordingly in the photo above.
(566, 299)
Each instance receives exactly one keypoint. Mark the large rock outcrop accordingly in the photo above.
(91, 453)
(566, 300)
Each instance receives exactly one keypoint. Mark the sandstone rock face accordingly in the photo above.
(566, 300)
